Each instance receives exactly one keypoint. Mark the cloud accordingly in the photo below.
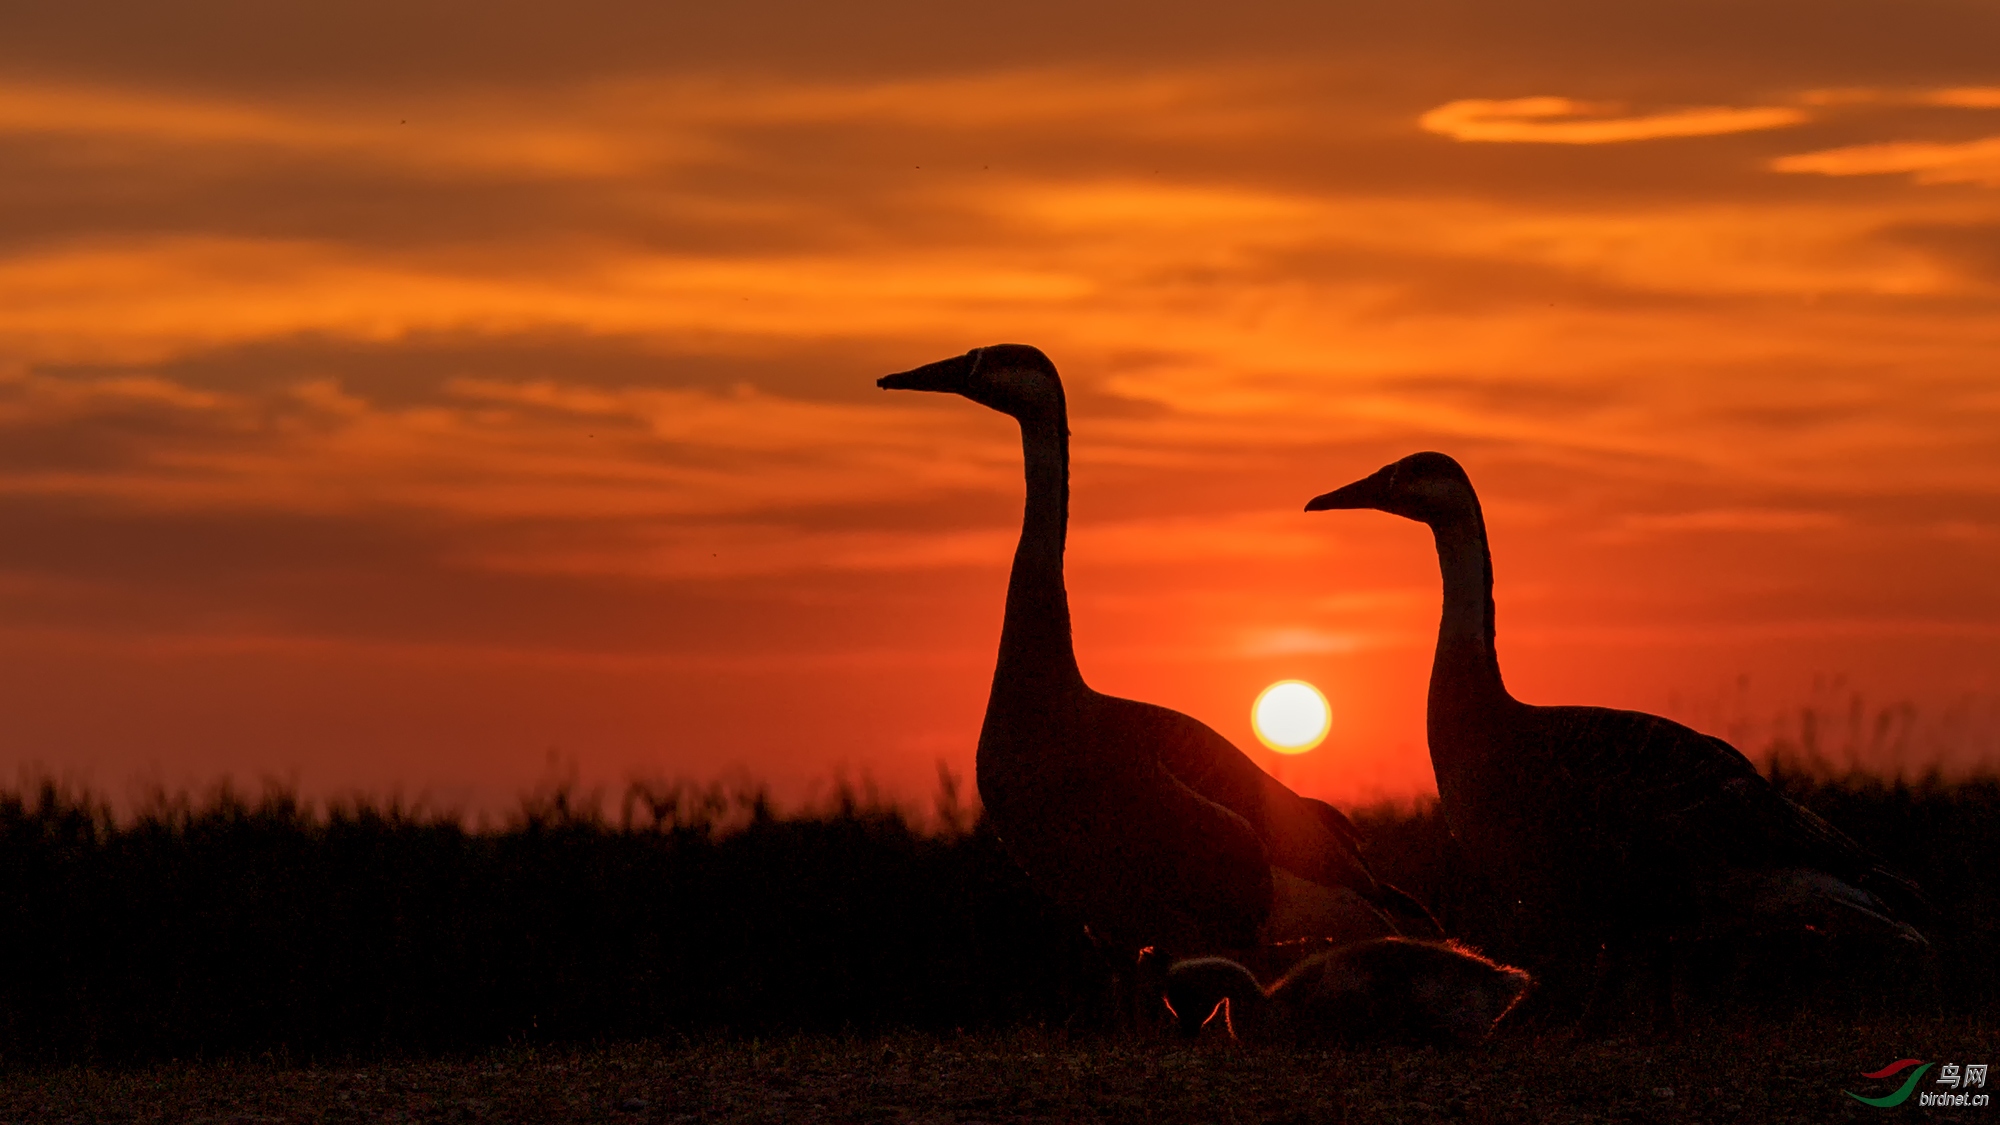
(483, 451)
(1957, 97)
(1967, 162)
(619, 128)
(440, 133)
(150, 298)
(1968, 97)
(1566, 121)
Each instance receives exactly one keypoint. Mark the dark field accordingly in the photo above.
(241, 960)
(1784, 1073)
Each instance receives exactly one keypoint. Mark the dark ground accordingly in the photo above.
(1776, 1073)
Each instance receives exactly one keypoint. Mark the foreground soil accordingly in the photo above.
(1783, 1072)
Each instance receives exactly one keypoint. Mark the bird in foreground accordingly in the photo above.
(1391, 990)
(1145, 823)
(1623, 828)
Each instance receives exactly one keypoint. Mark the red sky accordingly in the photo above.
(395, 396)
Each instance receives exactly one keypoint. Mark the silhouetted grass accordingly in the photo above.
(239, 927)
(1944, 834)
(233, 927)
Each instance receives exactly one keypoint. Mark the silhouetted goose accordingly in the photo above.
(1621, 826)
(1389, 989)
(1145, 823)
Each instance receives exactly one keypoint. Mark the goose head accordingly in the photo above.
(1427, 487)
(1014, 379)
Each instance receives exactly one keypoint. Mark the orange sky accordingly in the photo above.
(393, 396)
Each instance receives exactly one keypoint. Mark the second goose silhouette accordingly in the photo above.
(1145, 823)
(1623, 828)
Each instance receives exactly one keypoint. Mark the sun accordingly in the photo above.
(1290, 716)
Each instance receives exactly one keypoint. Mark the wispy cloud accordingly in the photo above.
(1567, 121)
(632, 126)
(1966, 162)
(1958, 97)
(1968, 97)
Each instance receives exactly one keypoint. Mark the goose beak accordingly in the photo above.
(1369, 492)
(953, 375)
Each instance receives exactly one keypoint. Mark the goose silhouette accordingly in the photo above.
(1385, 990)
(1143, 822)
(1624, 828)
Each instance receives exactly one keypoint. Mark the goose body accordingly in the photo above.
(1144, 822)
(1621, 827)
(1388, 989)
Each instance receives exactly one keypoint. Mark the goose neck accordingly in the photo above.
(1035, 643)
(1466, 657)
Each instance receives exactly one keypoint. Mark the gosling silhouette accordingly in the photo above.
(1623, 828)
(1389, 990)
(1145, 823)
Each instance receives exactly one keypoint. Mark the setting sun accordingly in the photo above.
(1290, 716)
